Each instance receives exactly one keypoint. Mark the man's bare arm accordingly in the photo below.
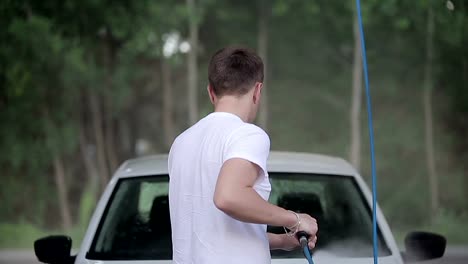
(275, 241)
(235, 196)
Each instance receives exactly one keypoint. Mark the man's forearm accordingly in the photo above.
(275, 241)
(247, 206)
(235, 196)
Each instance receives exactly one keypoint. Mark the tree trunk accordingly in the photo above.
(88, 161)
(355, 113)
(427, 102)
(129, 125)
(167, 114)
(464, 77)
(124, 137)
(129, 130)
(109, 128)
(192, 66)
(97, 122)
(110, 147)
(59, 173)
(264, 15)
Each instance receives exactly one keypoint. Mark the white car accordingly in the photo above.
(131, 221)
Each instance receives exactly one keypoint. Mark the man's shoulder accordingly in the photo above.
(250, 129)
(250, 134)
(188, 131)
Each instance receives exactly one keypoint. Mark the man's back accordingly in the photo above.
(219, 186)
(201, 232)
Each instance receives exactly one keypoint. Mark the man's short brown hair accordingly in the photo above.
(234, 71)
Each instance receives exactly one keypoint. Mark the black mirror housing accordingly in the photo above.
(54, 249)
(423, 246)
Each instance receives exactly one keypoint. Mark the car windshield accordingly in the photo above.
(136, 224)
(343, 216)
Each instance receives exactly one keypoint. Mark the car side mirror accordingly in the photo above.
(423, 246)
(54, 250)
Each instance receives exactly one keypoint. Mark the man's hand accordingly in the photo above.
(310, 226)
(288, 243)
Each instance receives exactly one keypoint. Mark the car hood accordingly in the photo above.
(337, 260)
(318, 259)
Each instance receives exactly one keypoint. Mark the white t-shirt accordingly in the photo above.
(201, 233)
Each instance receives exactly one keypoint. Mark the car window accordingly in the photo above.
(344, 219)
(136, 224)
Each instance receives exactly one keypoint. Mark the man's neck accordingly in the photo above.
(233, 105)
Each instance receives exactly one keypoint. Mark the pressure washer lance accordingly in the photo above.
(303, 240)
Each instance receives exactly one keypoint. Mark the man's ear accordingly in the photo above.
(257, 92)
(211, 93)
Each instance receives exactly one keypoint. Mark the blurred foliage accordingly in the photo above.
(446, 223)
(23, 235)
(71, 71)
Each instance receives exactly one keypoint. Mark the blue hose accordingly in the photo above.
(307, 253)
(302, 236)
(371, 133)
(303, 240)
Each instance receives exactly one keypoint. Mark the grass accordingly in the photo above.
(23, 235)
(451, 226)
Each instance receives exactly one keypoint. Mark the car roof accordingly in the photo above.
(278, 161)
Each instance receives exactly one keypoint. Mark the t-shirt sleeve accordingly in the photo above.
(251, 143)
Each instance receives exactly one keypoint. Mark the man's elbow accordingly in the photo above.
(224, 203)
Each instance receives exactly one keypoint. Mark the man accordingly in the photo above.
(219, 186)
